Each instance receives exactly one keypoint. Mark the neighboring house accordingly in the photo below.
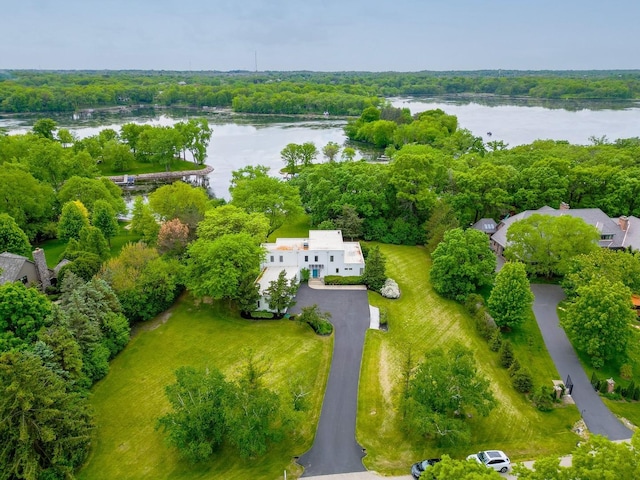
(323, 253)
(486, 225)
(16, 268)
(615, 233)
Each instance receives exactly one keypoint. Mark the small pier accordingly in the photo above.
(128, 181)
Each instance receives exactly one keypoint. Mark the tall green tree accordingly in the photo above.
(143, 222)
(44, 127)
(546, 244)
(73, 219)
(445, 388)
(218, 268)
(330, 151)
(276, 199)
(462, 263)
(90, 190)
(180, 200)
(12, 238)
(511, 298)
(104, 218)
(349, 222)
(45, 430)
(228, 219)
(196, 426)
(599, 320)
(281, 293)
(23, 312)
(375, 273)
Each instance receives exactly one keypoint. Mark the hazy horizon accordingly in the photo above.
(332, 36)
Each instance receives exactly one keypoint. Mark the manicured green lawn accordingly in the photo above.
(421, 320)
(130, 399)
(137, 167)
(294, 228)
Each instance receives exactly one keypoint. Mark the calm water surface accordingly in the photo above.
(240, 141)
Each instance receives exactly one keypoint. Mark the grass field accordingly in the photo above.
(130, 399)
(137, 167)
(294, 228)
(421, 320)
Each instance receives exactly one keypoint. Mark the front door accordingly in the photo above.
(315, 272)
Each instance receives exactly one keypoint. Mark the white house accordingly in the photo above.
(323, 253)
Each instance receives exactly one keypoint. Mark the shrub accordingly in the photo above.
(506, 354)
(594, 381)
(626, 371)
(602, 388)
(495, 341)
(322, 327)
(338, 280)
(522, 380)
(628, 392)
(474, 303)
(543, 398)
(514, 368)
(390, 289)
(304, 275)
(262, 314)
(636, 393)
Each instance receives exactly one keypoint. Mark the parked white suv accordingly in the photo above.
(495, 459)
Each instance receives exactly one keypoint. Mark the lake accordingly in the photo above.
(238, 141)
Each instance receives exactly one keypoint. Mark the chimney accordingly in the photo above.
(623, 222)
(564, 206)
(41, 268)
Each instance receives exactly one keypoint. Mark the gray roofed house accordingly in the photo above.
(615, 233)
(16, 268)
(486, 225)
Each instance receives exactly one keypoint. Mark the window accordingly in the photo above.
(361, 271)
(315, 259)
(337, 270)
(271, 259)
(24, 280)
(306, 258)
(281, 259)
(258, 303)
(608, 236)
(331, 258)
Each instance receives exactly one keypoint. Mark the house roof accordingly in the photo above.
(10, 266)
(486, 225)
(593, 216)
(270, 274)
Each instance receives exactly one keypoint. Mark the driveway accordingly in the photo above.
(335, 449)
(596, 415)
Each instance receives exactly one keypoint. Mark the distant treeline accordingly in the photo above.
(338, 93)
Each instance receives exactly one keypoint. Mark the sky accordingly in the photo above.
(320, 35)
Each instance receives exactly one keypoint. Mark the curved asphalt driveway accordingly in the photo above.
(596, 415)
(335, 449)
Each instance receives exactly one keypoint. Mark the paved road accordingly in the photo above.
(335, 449)
(596, 415)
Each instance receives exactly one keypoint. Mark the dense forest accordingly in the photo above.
(338, 93)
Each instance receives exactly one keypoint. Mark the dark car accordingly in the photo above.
(419, 467)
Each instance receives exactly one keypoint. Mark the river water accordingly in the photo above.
(238, 141)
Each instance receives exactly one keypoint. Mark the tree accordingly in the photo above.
(74, 218)
(65, 137)
(308, 153)
(92, 240)
(90, 190)
(143, 222)
(44, 127)
(349, 222)
(173, 237)
(180, 200)
(318, 320)
(330, 151)
(276, 199)
(599, 320)
(546, 244)
(28, 201)
(442, 219)
(22, 314)
(196, 425)
(281, 293)
(461, 470)
(196, 135)
(375, 273)
(12, 238)
(118, 155)
(45, 430)
(445, 388)
(217, 268)
(228, 219)
(348, 154)
(291, 156)
(462, 263)
(511, 298)
(104, 218)
(596, 458)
